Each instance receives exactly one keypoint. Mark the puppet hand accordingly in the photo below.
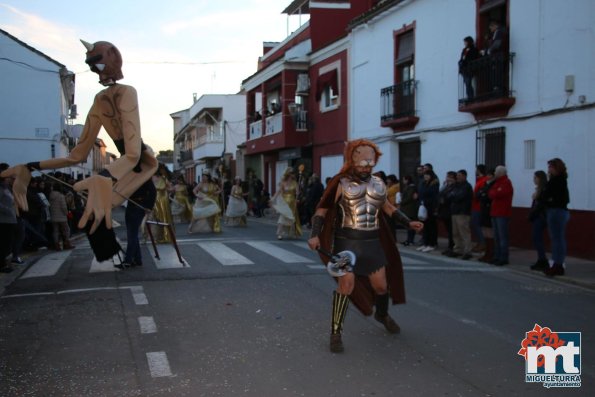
(314, 243)
(22, 176)
(99, 202)
(417, 226)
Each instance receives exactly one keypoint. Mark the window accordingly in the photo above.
(329, 98)
(404, 89)
(327, 87)
(491, 147)
(530, 154)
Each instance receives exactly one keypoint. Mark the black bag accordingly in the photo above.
(103, 241)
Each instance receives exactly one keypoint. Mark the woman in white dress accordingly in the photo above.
(236, 207)
(206, 211)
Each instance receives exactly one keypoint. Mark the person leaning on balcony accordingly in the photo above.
(469, 54)
(557, 197)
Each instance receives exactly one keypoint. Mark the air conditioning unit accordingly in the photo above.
(303, 84)
(73, 112)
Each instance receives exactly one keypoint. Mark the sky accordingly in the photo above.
(171, 49)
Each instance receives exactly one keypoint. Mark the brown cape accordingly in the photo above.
(363, 295)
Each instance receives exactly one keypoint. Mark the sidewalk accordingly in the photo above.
(578, 271)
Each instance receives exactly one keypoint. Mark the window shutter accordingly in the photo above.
(406, 48)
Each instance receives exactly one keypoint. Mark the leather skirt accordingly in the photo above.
(365, 244)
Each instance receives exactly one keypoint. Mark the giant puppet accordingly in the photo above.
(115, 108)
(352, 216)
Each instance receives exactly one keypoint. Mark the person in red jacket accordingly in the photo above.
(501, 195)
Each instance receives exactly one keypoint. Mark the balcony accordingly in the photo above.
(209, 143)
(300, 120)
(397, 106)
(485, 86)
(274, 124)
(256, 129)
(185, 157)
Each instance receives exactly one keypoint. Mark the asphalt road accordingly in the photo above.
(254, 320)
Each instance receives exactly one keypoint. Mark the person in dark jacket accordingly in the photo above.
(428, 196)
(444, 209)
(556, 198)
(468, 55)
(485, 220)
(409, 204)
(460, 209)
(537, 217)
(313, 194)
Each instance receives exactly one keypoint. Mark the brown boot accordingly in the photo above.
(381, 315)
(336, 343)
(488, 255)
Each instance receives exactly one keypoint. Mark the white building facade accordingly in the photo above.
(404, 56)
(207, 135)
(36, 104)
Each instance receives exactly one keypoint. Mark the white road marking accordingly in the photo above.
(316, 266)
(282, 254)
(47, 265)
(225, 255)
(447, 268)
(140, 298)
(134, 289)
(168, 258)
(158, 364)
(147, 325)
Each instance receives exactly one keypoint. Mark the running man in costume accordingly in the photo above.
(352, 215)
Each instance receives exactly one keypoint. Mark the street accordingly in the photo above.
(249, 315)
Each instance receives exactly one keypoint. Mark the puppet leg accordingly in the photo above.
(340, 304)
(381, 315)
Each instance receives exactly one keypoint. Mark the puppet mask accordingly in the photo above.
(104, 59)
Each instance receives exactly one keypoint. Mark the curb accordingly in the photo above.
(513, 268)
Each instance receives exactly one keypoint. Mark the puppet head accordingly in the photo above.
(360, 157)
(104, 59)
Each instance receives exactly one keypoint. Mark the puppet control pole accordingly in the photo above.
(174, 241)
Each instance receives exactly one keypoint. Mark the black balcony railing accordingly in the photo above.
(397, 101)
(185, 155)
(485, 79)
(300, 118)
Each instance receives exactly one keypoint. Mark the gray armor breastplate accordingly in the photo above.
(361, 202)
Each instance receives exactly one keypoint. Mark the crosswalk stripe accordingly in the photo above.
(225, 255)
(168, 258)
(47, 265)
(105, 266)
(282, 254)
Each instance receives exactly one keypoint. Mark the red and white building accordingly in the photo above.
(297, 101)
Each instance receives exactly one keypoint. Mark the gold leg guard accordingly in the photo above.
(340, 304)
